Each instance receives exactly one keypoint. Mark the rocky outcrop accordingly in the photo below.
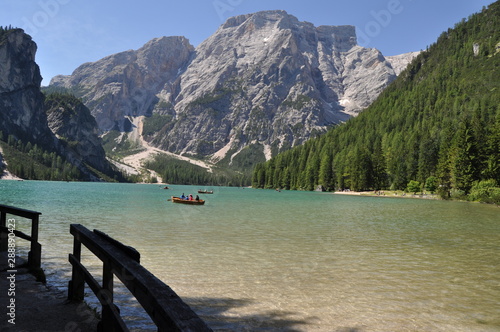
(77, 131)
(268, 79)
(21, 102)
(400, 62)
(73, 131)
(265, 80)
(126, 84)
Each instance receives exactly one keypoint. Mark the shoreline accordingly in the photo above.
(6, 175)
(388, 194)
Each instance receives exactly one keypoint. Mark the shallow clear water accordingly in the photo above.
(265, 260)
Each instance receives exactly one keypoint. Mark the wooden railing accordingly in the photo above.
(163, 305)
(35, 253)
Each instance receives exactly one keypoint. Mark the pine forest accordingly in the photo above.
(435, 128)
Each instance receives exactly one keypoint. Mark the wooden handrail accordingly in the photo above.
(35, 253)
(163, 305)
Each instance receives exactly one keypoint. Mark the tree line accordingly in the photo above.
(176, 171)
(31, 162)
(436, 127)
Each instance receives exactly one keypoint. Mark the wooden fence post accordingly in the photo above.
(76, 286)
(3, 236)
(35, 254)
(165, 308)
(107, 297)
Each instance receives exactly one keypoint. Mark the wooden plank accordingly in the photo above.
(16, 233)
(19, 212)
(130, 251)
(36, 249)
(35, 253)
(165, 307)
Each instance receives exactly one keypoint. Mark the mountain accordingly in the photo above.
(437, 126)
(76, 130)
(53, 138)
(260, 84)
(21, 102)
(125, 85)
(400, 62)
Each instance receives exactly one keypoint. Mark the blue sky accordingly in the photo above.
(71, 32)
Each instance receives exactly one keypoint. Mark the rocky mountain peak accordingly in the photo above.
(299, 78)
(260, 19)
(265, 80)
(126, 84)
(341, 38)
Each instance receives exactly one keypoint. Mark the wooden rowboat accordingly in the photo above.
(205, 192)
(185, 201)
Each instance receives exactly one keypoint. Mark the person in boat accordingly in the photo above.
(190, 197)
(183, 196)
(197, 198)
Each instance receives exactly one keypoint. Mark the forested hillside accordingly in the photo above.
(75, 155)
(436, 126)
(175, 171)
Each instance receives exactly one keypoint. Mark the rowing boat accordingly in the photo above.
(185, 201)
(205, 192)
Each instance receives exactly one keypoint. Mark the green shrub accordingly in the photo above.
(431, 184)
(413, 186)
(458, 194)
(486, 191)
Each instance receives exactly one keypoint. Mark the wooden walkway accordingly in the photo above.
(30, 306)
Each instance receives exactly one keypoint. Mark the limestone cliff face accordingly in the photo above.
(21, 102)
(126, 84)
(265, 80)
(268, 79)
(69, 129)
(400, 62)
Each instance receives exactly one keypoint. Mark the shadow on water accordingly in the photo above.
(221, 314)
(216, 313)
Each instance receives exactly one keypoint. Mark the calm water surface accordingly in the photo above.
(293, 261)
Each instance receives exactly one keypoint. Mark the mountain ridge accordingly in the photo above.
(435, 128)
(63, 146)
(264, 80)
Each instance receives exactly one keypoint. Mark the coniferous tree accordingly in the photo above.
(464, 158)
(439, 119)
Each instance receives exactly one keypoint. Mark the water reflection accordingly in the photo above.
(222, 315)
(262, 260)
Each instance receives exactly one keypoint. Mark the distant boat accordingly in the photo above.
(205, 192)
(185, 201)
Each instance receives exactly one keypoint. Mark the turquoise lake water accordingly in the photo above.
(261, 260)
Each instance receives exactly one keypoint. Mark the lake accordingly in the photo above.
(262, 260)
